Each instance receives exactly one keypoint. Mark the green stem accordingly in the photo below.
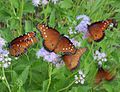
(21, 13)
(67, 86)
(6, 82)
(12, 8)
(50, 73)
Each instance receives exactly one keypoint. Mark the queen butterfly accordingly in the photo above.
(53, 41)
(96, 30)
(103, 74)
(72, 60)
(20, 44)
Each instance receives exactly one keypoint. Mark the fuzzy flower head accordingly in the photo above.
(100, 57)
(4, 58)
(36, 2)
(83, 25)
(49, 57)
(75, 42)
(54, 1)
(71, 31)
(44, 2)
(80, 78)
(2, 42)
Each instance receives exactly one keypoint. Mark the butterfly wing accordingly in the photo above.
(50, 36)
(18, 49)
(65, 46)
(72, 60)
(21, 47)
(23, 38)
(103, 74)
(96, 30)
(108, 76)
(99, 76)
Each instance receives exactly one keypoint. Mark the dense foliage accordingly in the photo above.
(30, 74)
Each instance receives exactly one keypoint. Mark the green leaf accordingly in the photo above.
(28, 8)
(108, 88)
(45, 83)
(66, 4)
(28, 26)
(80, 89)
(23, 77)
(15, 3)
(52, 19)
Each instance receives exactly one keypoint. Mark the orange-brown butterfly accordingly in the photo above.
(20, 44)
(96, 29)
(103, 74)
(72, 60)
(53, 41)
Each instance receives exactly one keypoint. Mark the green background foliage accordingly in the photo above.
(29, 74)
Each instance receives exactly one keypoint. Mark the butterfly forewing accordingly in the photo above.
(50, 36)
(23, 38)
(72, 61)
(96, 30)
(65, 46)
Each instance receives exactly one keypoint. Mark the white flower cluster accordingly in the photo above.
(71, 31)
(4, 59)
(43, 2)
(75, 42)
(100, 57)
(54, 1)
(80, 78)
(38, 2)
(83, 25)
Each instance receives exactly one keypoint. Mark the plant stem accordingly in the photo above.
(6, 82)
(67, 86)
(50, 73)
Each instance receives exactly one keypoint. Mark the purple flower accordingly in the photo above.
(48, 56)
(83, 25)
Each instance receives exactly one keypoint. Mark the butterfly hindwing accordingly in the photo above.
(72, 61)
(65, 46)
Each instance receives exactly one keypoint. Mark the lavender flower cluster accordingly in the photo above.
(4, 58)
(83, 25)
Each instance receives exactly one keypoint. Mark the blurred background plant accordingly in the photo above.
(27, 73)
